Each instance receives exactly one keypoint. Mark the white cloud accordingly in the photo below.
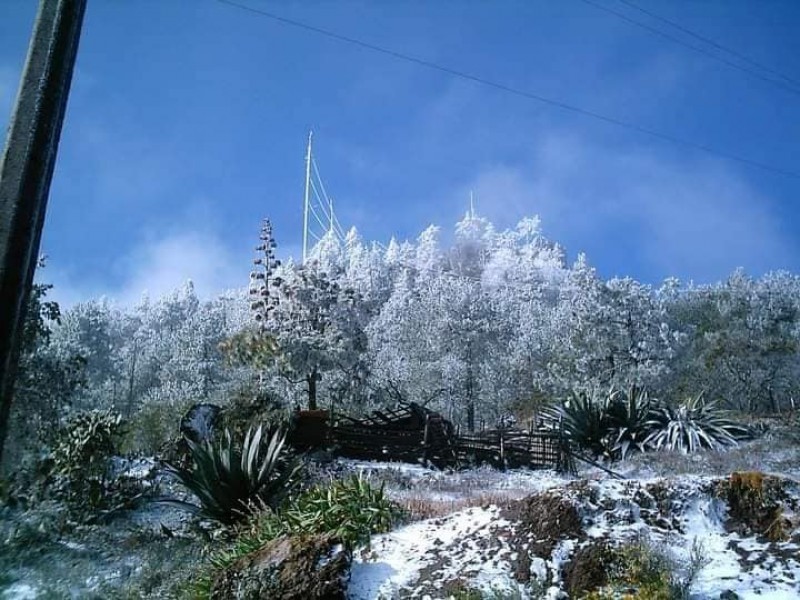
(164, 264)
(693, 218)
(156, 267)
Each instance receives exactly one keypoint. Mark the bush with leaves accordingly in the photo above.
(80, 462)
(642, 569)
(153, 427)
(251, 405)
(692, 425)
(351, 509)
(231, 480)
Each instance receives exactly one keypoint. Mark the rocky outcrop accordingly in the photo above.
(309, 567)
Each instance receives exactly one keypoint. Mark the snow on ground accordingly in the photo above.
(470, 540)
(407, 482)
(475, 547)
(436, 550)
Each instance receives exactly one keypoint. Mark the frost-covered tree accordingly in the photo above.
(743, 347)
(610, 333)
(48, 376)
(315, 328)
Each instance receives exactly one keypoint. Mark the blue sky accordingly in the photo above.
(187, 125)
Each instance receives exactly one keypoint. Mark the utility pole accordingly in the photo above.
(26, 169)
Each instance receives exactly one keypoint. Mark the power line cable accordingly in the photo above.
(698, 49)
(711, 42)
(322, 205)
(317, 217)
(339, 227)
(319, 177)
(521, 93)
(328, 203)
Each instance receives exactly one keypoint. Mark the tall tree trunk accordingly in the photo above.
(470, 391)
(311, 380)
(131, 379)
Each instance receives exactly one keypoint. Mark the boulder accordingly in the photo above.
(200, 422)
(306, 567)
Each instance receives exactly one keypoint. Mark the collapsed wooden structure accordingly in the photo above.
(412, 433)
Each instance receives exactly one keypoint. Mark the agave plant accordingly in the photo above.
(630, 414)
(231, 481)
(586, 420)
(693, 425)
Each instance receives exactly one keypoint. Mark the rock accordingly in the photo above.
(729, 595)
(200, 422)
(588, 569)
(546, 519)
(542, 521)
(308, 567)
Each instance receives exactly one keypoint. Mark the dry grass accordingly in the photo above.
(773, 452)
(420, 507)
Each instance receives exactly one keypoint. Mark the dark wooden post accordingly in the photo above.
(425, 438)
(502, 450)
(26, 169)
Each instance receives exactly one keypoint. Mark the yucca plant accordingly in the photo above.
(692, 425)
(231, 481)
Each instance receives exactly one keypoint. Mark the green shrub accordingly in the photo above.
(693, 425)
(231, 481)
(250, 406)
(79, 464)
(351, 509)
(643, 570)
(153, 426)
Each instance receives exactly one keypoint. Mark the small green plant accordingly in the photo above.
(351, 509)
(641, 569)
(693, 425)
(231, 481)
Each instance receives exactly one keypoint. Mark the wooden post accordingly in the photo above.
(530, 436)
(425, 438)
(502, 449)
(26, 169)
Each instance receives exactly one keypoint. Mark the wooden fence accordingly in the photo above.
(415, 434)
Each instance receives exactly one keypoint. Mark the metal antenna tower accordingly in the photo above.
(319, 219)
(308, 190)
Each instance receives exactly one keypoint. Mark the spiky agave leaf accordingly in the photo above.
(585, 419)
(693, 425)
(229, 481)
(630, 413)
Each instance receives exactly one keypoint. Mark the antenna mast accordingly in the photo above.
(305, 205)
